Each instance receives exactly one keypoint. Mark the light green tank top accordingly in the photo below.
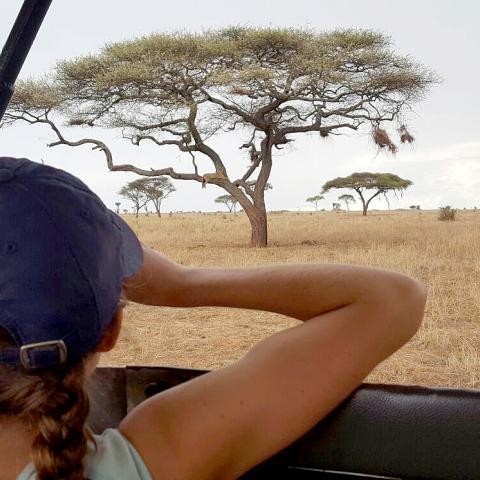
(114, 459)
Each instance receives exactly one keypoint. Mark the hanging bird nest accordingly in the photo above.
(381, 138)
(75, 122)
(240, 91)
(324, 132)
(405, 136)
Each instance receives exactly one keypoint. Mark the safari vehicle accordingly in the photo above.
(380, 431)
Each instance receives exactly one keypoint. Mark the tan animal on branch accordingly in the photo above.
(209, 176)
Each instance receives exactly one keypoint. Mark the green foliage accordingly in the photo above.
(346, 198)
(381, 182)
(148, 189)
(245, 65)
(180, 89)
(228, 200)
(447, 213)
(134, 192)
(368, 181)
(156, 187)
(315, 198)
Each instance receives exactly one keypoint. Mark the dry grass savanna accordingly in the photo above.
(444, 255)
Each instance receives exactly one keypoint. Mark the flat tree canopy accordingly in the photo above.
(228, 200)
(347, 198)
(381, 183)
(315, 199)
(269, 84)
(150, 189)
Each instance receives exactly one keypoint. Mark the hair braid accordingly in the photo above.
(57, 405)
(61, 442)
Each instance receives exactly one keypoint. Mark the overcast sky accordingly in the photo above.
(444, 164)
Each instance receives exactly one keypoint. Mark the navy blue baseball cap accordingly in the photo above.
(63, 258)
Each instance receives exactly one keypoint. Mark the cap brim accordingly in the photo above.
(132, 251)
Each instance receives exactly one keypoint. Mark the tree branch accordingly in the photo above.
(316, 127)
(153, 126)
(242, 113)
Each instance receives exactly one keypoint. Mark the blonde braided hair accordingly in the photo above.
(56, 402)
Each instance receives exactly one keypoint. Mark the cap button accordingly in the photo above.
(5, 175)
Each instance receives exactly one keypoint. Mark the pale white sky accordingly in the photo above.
(444, 165)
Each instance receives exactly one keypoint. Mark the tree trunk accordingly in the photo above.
(157, 205)
(258, 222)
(365, 205)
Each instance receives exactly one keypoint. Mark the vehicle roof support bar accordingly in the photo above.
(18, 45)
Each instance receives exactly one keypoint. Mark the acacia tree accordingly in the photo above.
(266, 84)
(315, 199)
(134, 192)
(144, 190)
(229, 201)
(381, 183)
(347, 198)
(157, 190)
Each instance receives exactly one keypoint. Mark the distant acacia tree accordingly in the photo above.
(134, 192)
(347, 199)
(117, 204)
(415, 207)
(271, 84)
(336, 206)
(157, 190)
(315, 199)
(229, 201)
(144, 190)
(380, 183)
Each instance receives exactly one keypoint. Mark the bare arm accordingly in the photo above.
(297, 290)
(221, 424)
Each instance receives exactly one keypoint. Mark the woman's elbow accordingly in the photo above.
(411, 297)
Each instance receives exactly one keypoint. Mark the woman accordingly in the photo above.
(66, 265)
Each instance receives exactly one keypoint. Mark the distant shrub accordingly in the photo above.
(447, 213)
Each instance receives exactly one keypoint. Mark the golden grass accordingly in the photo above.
(444, 255)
